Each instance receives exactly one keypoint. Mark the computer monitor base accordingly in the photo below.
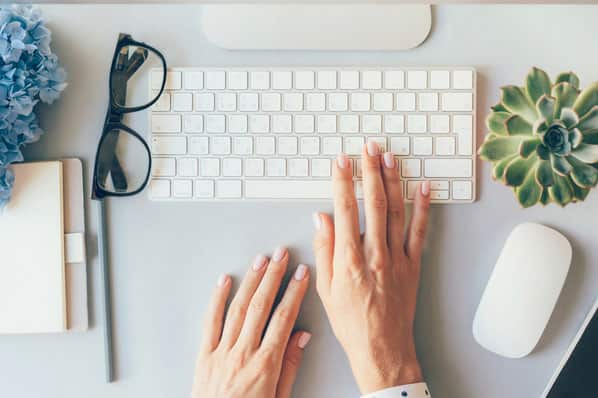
(316, 27)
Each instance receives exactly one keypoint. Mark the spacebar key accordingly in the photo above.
(288, 189)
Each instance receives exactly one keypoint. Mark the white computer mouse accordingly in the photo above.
(522, 291)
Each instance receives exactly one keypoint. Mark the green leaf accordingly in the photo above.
(584, 175)
(537, 84)
(591, 137)
(496, 122)
(498, 108)
(586, 153)
(560, 165)
(589, 121)
(568, 77)
(499, 168)
(543, 152)
(586, 100)
(545, 107)
(565, 95)
(562, 190)
(515, 99)
(580, 193)
(545, 198)
(499, 148)
(540, 126)
(528, 146)
(517, 170)
(569, 117)
(576, 137)
(530, 191)
(516, 125)
(544, 174)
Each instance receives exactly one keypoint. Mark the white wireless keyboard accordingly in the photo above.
(273, 133)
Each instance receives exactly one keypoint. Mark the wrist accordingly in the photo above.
(378, 378)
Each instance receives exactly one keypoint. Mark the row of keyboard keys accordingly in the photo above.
(309, 80)
(314, 102)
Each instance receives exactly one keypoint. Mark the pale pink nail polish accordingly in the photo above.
(303, 340)
(259, 262)
(317, 220)
(425, 187)
(373, 148)
(279, 253)
(389, 160)
(222, 279)
(342, 160)
(300, 272)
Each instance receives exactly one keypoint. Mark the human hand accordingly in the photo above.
(237, 358)
(368, 284)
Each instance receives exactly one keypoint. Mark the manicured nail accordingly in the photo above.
(389, 160)
(303, 340)
(317, 220)
(279, 253)
(259, 262)
(222, 279)
(342, 160)
(425, 186)
(373, 148)
(300, 272)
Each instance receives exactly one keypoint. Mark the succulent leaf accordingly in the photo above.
(496, 122)
(499, 148)
(586, 100)
(575, 137)
(591, 137)
(569, 117)
(544, 174)
(545, 107)
(568, 77)
(517, 125)
(560, 165)
(589, 121)
(580, 193)
(517, 170)
(582, 174)
(515, 99)
(561, 191)
(540, 126)
(537, 84)
(528, 146)
(586, 153)
(530, 191)
(545, 198)
(543, 152)
(499, 167)
(565, 95)
(498, 108)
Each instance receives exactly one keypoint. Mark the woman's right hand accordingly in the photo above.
(368, 284)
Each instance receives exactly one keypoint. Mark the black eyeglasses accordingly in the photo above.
(123, 160)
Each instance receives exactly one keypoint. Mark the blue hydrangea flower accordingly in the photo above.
(29, 73)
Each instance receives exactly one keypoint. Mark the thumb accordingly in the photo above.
(290, 363)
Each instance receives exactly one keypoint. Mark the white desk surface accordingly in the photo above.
(166, 257)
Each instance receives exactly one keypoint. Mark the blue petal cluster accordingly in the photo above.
(29, 73)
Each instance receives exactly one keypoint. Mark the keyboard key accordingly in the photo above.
(226, 102)
(411, 168)
(281, 124)
(293, 102)
(428, 102)
(159, 189)
(198, 145)
(417, 79)
(383, 102)
(242, 145)
(215, 80)
(358, 169)
(400, 145)
(381, 141)
(315, 102)
(173, 81)
(288, 189)
(463, 127)
(259, 123)
(231, 167)
(192, 123)
(332, 145)
(254, 167)
(371, 80)
(282, 80)
(439, 79)
(228, 189)
(169, 145)
(310, 145)
(406, 102)
(163, 167)
(182, 102)
(353, 145)
(326, 124)
(237, 80)
(298, 167)
(259, 80)
(327, 80)
(193, 80)
(287, 145)
(276, 167)
(204, 188)
(360, 102)
(394, 79)
(463, 79)
(412, 187)
(304, 80)
(304, 124)
(457, 102)
(462, 190)
(265, 146)
(209, 167)
(445, 146)
(372, 124)
(349, 123)
(320, 167)
(422, 146)
(441, 185)
(338, 102)
(163, 103)
(394, 124)
(416, 123)
(220, 145)
(182, 188)
(349, 80)
(439, 195)
(237, 123)
(248, 102)
(271, 102)
(448, 168)
(187, 167)
(204, 102)
(164, 123)
(215, 123)
(439, 124)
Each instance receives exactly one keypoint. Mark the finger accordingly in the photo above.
(396, 208)
(286, 312)
(374, 200)
(419, 222)
(323, 249)
(261, 303)
(238, 307)
(215, 315)
(346, 217)
(291, 363)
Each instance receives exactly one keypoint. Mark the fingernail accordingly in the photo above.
(389, 160)
(317, 220)
(300, 272)
(279, 253)
(425, 186)
(222, 279)
(342, 160)
(259, 262)
(373, 148)
(303, 340)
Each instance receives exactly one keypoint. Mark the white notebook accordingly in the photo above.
(32, 270)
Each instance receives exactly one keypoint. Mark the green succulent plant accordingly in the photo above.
(543, 139)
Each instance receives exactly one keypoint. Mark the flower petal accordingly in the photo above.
(544, 174)
(586, 153)
(499, 168)
(560, 165)
(496, 122)
(517, 125)
(517, 170)
(530, 192)
(545, 107)
(499, 148)
(584, 175)
(515, 99)
(568, 77)
(569, 117)
(565, 95)
(586, 100)
(562, 190)
(589, 121)
(528, 146)
(537, 84)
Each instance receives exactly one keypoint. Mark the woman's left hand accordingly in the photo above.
(242, 354)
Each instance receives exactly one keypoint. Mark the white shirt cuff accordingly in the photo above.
(416, 390)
